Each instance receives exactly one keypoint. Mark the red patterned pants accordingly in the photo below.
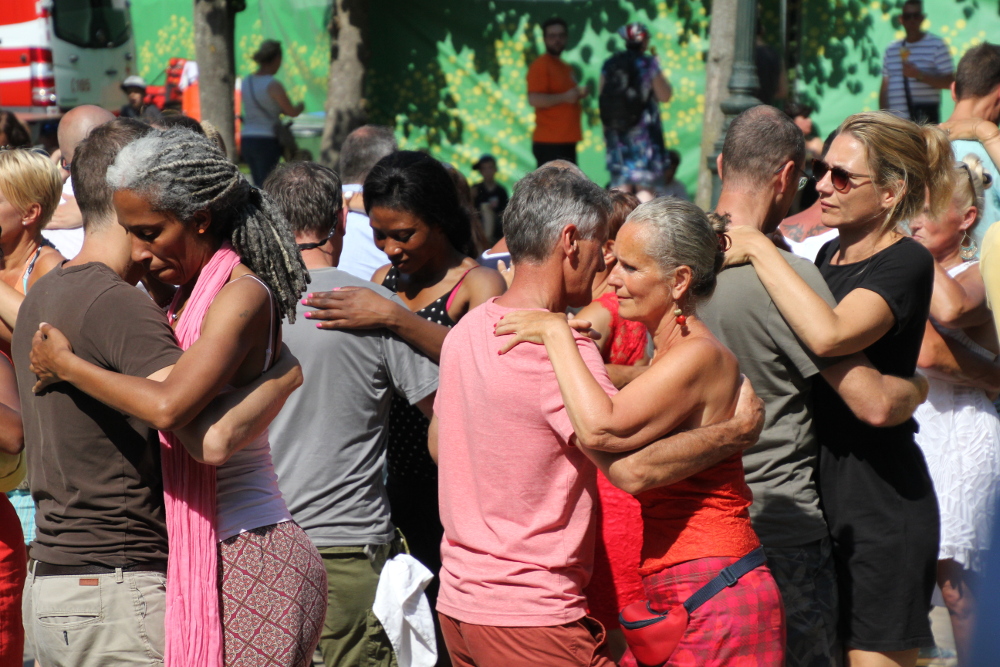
(273, 598)
(742, 626)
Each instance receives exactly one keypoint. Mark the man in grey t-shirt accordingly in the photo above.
(761, 163)
(328, 442)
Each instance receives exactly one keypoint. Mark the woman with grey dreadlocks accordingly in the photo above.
(235, 553)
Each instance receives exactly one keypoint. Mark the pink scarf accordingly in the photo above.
(193, 627)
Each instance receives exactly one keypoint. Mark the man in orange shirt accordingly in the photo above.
(554, 93)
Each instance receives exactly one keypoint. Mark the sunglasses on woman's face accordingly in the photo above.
(839, 177)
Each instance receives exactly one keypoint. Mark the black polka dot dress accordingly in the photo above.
(412, 480)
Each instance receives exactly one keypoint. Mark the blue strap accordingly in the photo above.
(726, 578)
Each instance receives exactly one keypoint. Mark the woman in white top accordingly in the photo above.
(959, 428)
(264, 100)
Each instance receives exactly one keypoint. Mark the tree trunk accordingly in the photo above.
(718, 69)
(345, 104)
(214, 23)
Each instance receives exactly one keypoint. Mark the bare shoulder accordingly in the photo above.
(480, 284)
(970, 276)
(240, 304)
(483, 277)
(48, 259)
(380, 273)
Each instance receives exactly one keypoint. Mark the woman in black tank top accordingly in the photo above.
(876, 491)
(426, 234)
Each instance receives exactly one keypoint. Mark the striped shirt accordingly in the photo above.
(929, 55)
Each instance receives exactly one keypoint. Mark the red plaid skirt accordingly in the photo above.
(742, 626)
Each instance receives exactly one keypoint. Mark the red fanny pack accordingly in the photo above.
(652, 636)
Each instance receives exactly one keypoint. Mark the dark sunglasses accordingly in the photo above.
(839, 177)
(310, 246)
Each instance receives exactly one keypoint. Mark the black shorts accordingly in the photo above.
(547, 152)
(883, 517)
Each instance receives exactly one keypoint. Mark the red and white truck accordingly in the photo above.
(58, 54)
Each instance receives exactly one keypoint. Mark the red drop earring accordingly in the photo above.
(681, 319)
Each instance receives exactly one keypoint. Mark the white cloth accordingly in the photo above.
(960, 437)
(189, 75)
(810, 247)
(402, 608)
(67, 241)
(360, 256)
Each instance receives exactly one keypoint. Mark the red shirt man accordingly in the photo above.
(554, 94)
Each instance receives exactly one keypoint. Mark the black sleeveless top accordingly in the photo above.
(406, 449)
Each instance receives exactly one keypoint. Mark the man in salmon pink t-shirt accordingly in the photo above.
(516, 493)
(555, 95)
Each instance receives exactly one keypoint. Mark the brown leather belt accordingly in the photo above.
(47, 570)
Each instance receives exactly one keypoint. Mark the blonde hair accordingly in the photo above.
(906, 159)
(971, 182)
(28, 178)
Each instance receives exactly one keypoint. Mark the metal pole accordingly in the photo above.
(742, 83)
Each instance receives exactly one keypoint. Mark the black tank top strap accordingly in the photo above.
(391, 279)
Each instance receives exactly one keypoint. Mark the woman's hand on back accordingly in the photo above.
(744, 240)
(49, 351)
(971, 129)
(350, 308)
(530, 326)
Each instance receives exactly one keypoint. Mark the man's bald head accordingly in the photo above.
(77, 124)
(362, 148)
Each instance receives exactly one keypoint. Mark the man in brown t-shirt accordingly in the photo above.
(95, 593)
(555, 95)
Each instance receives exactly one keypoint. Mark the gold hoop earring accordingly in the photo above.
(970, 250)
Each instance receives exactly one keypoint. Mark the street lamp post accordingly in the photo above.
(742, 83)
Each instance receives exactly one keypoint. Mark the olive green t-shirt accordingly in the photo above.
(781, 467)
(94, 472)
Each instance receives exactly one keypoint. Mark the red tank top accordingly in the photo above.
(628, 339)
(705, 515)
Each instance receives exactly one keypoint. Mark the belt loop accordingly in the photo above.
(32, 564)
(119, 577)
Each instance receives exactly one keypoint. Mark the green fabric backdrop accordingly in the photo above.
(449, 75)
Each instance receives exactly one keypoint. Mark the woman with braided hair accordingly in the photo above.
(235, 552)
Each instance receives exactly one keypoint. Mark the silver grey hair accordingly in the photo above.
(180, 172)
(683, 235)
(545, 201)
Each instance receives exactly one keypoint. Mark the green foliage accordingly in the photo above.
(472, 97)
(450, 75)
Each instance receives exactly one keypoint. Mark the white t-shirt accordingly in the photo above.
(67, 241)
(360, 257)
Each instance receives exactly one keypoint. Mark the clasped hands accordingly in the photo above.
(48, 346)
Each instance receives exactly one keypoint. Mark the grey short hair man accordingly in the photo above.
(362, 149)
(329, 441)
(761, 168)
(555, 225)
